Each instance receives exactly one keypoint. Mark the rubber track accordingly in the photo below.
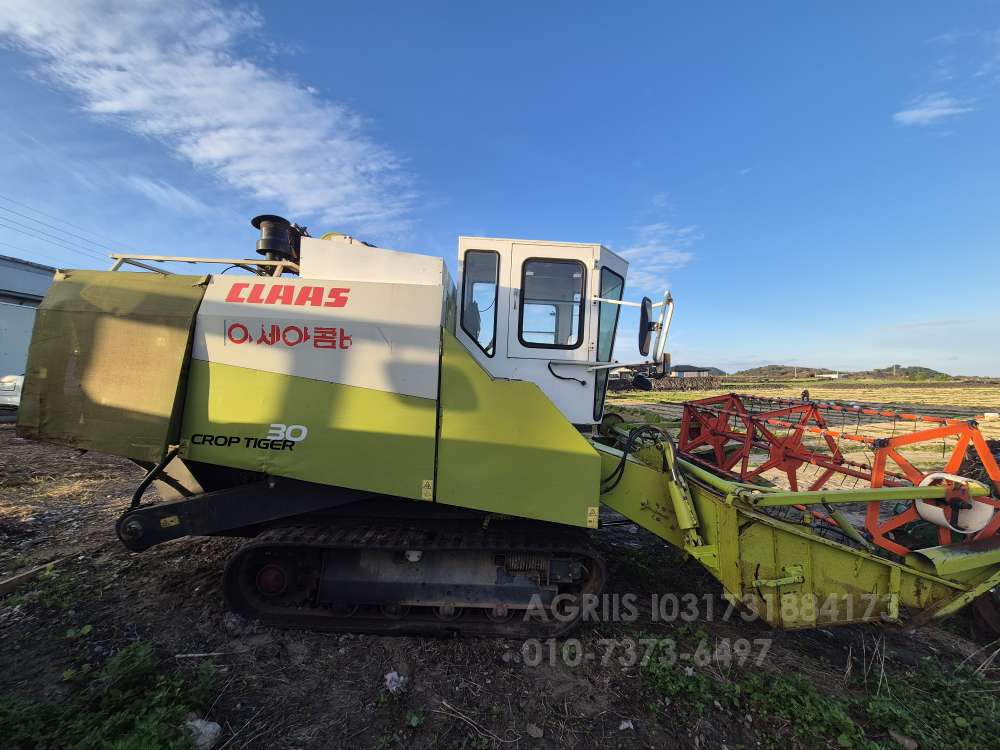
(524, 539)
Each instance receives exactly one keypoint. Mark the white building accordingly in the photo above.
(690, 371)
(22, 286)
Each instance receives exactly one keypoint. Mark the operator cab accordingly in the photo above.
(546, 312)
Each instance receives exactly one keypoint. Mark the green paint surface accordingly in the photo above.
(359, 438)
(506, 448)
(839, 584)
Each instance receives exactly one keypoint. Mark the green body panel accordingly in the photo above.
(956, 559)
(107, 363)
(504, 447)
(781, 570)
(357, 437)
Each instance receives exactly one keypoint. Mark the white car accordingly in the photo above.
(10, 390)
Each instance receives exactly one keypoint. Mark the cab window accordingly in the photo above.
(551, 314)
(480, 273)
(612, 287)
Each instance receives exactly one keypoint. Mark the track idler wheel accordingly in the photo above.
(500, 613)
(448, 612)
(273, 579)
(394, 611)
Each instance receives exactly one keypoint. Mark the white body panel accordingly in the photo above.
(345, 259)
(514, 360)
(383, 336)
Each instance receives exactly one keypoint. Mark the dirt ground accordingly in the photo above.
(293, 689)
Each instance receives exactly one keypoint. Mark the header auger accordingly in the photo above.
(405, 455)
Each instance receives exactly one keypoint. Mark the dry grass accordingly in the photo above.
(973, 396)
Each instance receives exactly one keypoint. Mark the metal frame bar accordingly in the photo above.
(666, 316)
(278, 267)
(229, 511)
(128, 261)
(625, 303)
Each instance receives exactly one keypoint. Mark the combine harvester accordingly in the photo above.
(407, 457)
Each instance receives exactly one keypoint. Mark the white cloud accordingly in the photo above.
(991, 67)
(660, 247)
(949, 38)
(164, 194)
(660, 201)
(172, 72)
(930, 108)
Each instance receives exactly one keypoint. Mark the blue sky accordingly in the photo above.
(817, 185)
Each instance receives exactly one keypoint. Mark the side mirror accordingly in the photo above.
(645, 327)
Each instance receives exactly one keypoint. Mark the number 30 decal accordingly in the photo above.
(294, 432)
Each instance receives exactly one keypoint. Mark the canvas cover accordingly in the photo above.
(108, 362)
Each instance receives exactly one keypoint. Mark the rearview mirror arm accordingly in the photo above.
(662, 329)
(666, 316)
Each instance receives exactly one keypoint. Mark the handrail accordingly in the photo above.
(278, 267)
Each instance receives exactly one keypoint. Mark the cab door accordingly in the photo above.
(550, 289)
(609, 284)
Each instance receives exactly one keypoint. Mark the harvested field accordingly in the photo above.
(154, 626)
(924, 456)
(967, 397)
(959, 399)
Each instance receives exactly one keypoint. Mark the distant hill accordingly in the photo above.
(782, 371)
(905, 373)
(894, 372)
